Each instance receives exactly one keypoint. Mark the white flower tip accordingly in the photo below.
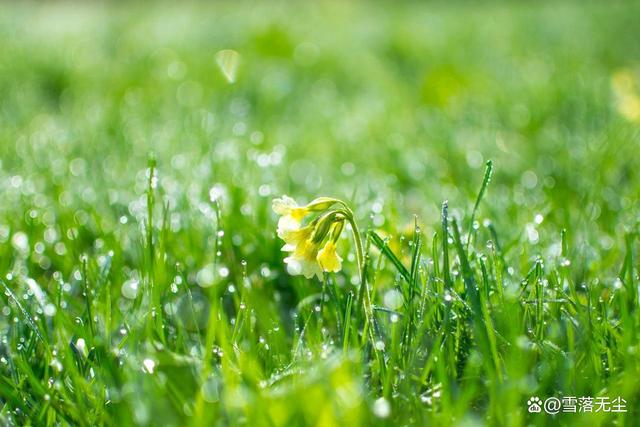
(287, 223)
(293, 266)
(301, 267)
(283, 205)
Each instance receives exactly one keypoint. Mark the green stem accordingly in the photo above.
(366, 301)
(359, 246)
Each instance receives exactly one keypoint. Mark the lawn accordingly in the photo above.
(482, 164)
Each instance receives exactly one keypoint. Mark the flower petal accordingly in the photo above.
(283, 206)
(287, 223)
(329, 259)
(310, 269)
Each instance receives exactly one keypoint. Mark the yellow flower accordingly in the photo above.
(293, 237)
(291, 215)
(303, 260)
(328, 258)
(304, 241)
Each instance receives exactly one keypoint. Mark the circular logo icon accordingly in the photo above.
(534, 404)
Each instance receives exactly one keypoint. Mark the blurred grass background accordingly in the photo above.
(395, 107)
(428, 92)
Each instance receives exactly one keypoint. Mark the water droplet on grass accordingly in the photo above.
(56, 365)
(381, 408)
(393, 299)
(265, 271)
(49, 310)
(148, 366)
(20, 242)
(81, 345)
(205, 276)
(228, 61)
(130, 289)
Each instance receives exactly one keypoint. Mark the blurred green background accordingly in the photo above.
(400, 103)
(393, 106)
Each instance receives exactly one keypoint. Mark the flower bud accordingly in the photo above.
(324, 226)
(321, 204)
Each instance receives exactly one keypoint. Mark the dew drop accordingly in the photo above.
(81, 345)
(130, 289)
(381, 408)
(228, 61)
(148, 366)
(393, 299)
(49, 310)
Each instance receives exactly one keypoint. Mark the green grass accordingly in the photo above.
(143, 282)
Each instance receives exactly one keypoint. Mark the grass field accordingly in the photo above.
(490, 155)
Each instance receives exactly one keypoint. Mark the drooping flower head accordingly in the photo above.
(309, 254)
(292, 215)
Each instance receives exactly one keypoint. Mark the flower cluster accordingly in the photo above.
(312, 245)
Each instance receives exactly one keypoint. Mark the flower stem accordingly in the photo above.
(364, 291)
(359, 247)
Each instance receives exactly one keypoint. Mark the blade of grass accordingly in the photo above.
(485, 182)
(382, 246)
